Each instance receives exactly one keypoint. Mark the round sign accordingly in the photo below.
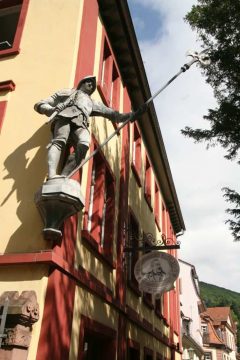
(156, 272)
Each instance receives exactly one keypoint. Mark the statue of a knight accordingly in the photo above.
(71, 123)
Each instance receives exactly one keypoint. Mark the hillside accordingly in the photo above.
(217, 296)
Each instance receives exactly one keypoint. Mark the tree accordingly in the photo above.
(217, 26)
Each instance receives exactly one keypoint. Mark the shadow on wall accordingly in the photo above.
(27, 177)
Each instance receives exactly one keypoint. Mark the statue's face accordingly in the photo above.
(87, 87)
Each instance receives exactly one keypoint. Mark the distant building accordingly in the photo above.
(190, 316)
(207, 333)
(219, 334)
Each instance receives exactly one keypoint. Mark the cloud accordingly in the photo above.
(198, 174)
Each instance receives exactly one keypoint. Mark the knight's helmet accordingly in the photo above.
(90, 77)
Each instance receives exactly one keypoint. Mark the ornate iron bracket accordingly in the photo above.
(148, 243)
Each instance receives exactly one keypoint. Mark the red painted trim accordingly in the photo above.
(105, 180)
(57, 318)
(7, 85)
(87, 43)
(15, 49)
(85, 66)
(80, 276)
(110, 79)
(95, 328)
(133, 222)
(3, 107)
(136, 174)
(148, 182)
(133, 344)
(95, 285)
(97, 249)
(157, 205)
(122, 341)
(123, 205)
(136, 164)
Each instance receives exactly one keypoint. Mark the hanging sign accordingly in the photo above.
(156, 272)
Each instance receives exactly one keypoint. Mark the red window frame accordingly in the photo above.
(148, 183)
(3, 106)
(15, 48)
(90, 327)
(136, 164)
(135, 347)
(133, 235)
(98, 222)
(109, 76)
(5, 86)
(164, 220)
(157, 205)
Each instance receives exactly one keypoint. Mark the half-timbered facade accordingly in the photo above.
(79, 299)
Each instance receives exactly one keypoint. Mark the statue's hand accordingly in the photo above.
(60, 107)
(140, 111)
(49, 110)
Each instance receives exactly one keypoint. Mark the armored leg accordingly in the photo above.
(61, 131)
(54, 154)
(75, 159)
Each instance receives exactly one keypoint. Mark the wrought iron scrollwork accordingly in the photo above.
(146, 242)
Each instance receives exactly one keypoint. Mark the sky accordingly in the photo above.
(199, 174)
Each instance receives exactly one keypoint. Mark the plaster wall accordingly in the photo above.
(189, 300)
(46, 62)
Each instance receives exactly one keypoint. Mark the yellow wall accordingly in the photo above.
(46, 62)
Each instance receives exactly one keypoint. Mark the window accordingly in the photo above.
(133, 350)
(97, 341)
(133, 235)
(156, 206)
(148, 354)
(147, 297)
(137, 154)
(159, 306)
(204, 328)
(207, 356)
(12, 16)
(186, 326)
(100, 205)
(148, 180)
(164, 220)
(109, 78)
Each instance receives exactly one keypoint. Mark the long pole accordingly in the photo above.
(135, 114)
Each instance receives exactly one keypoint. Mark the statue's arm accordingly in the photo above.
(99, 109)
(49, 105)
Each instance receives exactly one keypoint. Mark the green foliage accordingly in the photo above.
(217, 296)
(217, 25)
